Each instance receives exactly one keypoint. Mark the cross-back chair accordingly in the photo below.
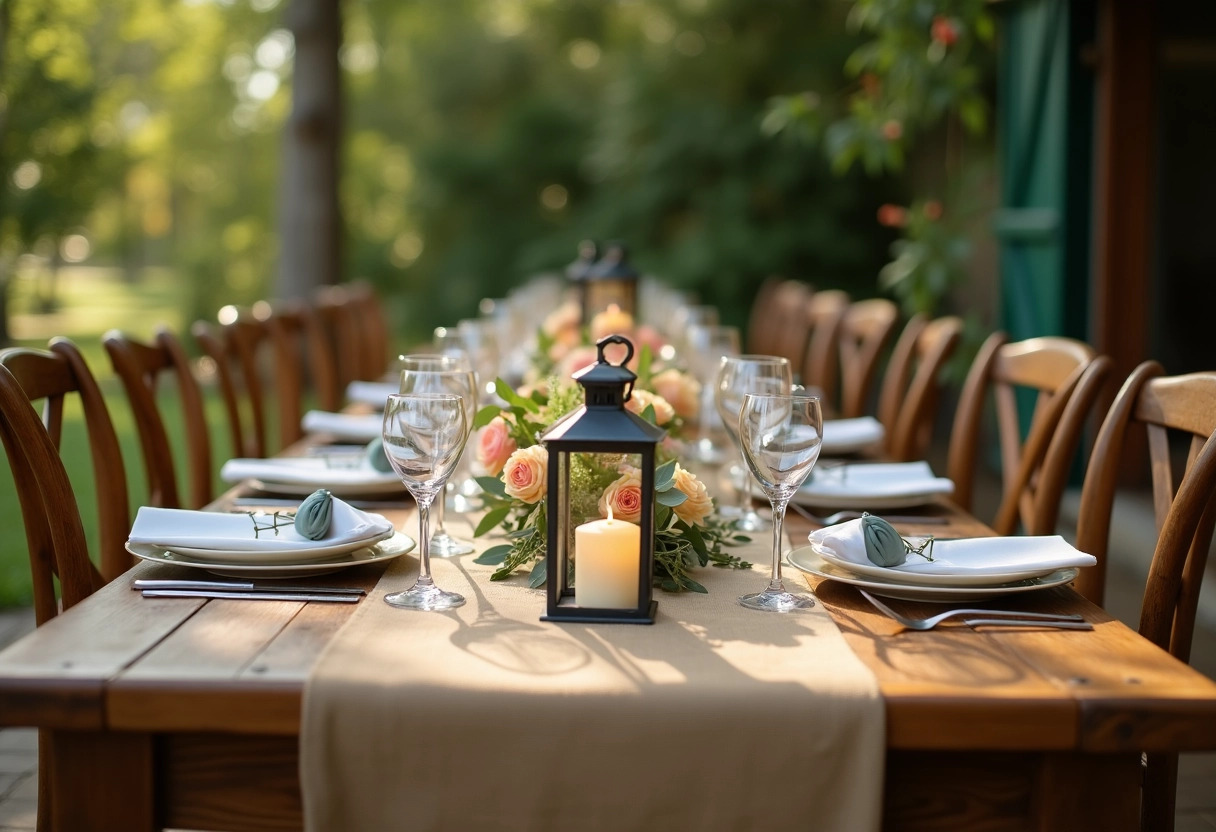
(340, 317)
(142, 367)
(51, 375)
(866, 329)
(54, 533)
(759, 335)
(1184, 505)
(303, 360)
(825, 311)
(372, 328)
(912, 384)
(234, 348)
(1065, 376)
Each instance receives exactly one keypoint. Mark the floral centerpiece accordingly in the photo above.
(687, 534)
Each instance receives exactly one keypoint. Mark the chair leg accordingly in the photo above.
(1159, 793)
(44, 823)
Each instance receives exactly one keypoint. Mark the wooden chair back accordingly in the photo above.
(820, 362)
(865, 332)
(235, 349)
(341, 322)
(787, 321)
(303, 361)
(53, 529)
(141, 367)
(759, 333)
(50, 375)
(1066, 377)
(912, 384)
(372, 328)
(1184, 505)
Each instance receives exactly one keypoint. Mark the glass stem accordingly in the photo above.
(440, 499)
(424, 541)
(775, 583)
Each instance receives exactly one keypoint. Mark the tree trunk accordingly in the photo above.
(310, 227)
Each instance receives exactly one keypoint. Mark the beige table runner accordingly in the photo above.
(486, 718)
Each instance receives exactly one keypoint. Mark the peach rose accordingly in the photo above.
(699, 504)
(623, 497)
(562, 319)
(681, 390)
(525, 474)
(494, 446)
(663, 411)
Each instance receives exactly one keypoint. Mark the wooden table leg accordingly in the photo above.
(101, 781)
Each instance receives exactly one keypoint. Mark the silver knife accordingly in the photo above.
(257, 595)
(242, 586)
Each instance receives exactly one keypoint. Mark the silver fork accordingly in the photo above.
(1066, 621)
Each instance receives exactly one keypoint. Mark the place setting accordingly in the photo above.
(870, 554)
(345, 471)
(324, 534)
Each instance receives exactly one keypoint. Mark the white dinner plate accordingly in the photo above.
(883, 573)
(865, 486)
(395, 546)
(808, 560)
(266, 557)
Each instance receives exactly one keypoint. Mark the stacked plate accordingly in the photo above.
(263, 545)
(346, 473)
(849, 436)
(347, 427)
(961, 570)
(871, 486)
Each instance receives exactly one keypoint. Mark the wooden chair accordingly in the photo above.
(866, 330)
(372, 328)
(235, 350)
(759, 335)
(912, 384)
(1066, 377)
(340, 318)
(785, 323)
(303, 363)
(54, 533)
(141, 367)
(1183, 406)
(50, 375)
(820, 363)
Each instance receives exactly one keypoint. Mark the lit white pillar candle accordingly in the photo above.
(606, 554)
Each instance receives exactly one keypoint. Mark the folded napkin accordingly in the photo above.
(880, 479)
(355, 427)
(309, 470)
(969, 556)
(171, 527)
(850, 434)
(370, 392)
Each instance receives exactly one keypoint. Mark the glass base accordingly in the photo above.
(445, 546)
(751, 521)
(777, 601)
(419, 597)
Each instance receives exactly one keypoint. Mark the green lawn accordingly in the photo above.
(93, 302)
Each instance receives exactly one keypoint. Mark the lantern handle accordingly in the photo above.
(616, 339)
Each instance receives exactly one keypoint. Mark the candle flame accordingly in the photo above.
(609, 514)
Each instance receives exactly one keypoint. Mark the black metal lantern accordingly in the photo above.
(616, 572)
(611, 282)
(577, 272)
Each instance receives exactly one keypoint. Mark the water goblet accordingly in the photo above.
(739, 375)
(457, 380)
(781, 438)
(424, 435)
(708, 343)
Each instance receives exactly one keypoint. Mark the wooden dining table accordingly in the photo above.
(186, 713)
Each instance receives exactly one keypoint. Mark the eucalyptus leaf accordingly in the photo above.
(539, 574)
(665, 475)
(672, 497)
(494, 555)
(491, 519)
(492, 485)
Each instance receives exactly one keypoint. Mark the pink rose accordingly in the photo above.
(681, 390)
(494, 446)
(623, 497)
(525, 474)
(699, 504)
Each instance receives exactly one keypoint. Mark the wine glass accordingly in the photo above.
(460, 381)
(781, 438)
(707, 344)
(424, 435)
(739, 375)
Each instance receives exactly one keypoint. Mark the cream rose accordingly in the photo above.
(495, 446)
(663, 411)
(681, 390)
(699, 504)
(525, 474)
(623, 497)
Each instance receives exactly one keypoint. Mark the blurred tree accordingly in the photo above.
(48, 92)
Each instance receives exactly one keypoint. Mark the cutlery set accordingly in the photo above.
(245, 590)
